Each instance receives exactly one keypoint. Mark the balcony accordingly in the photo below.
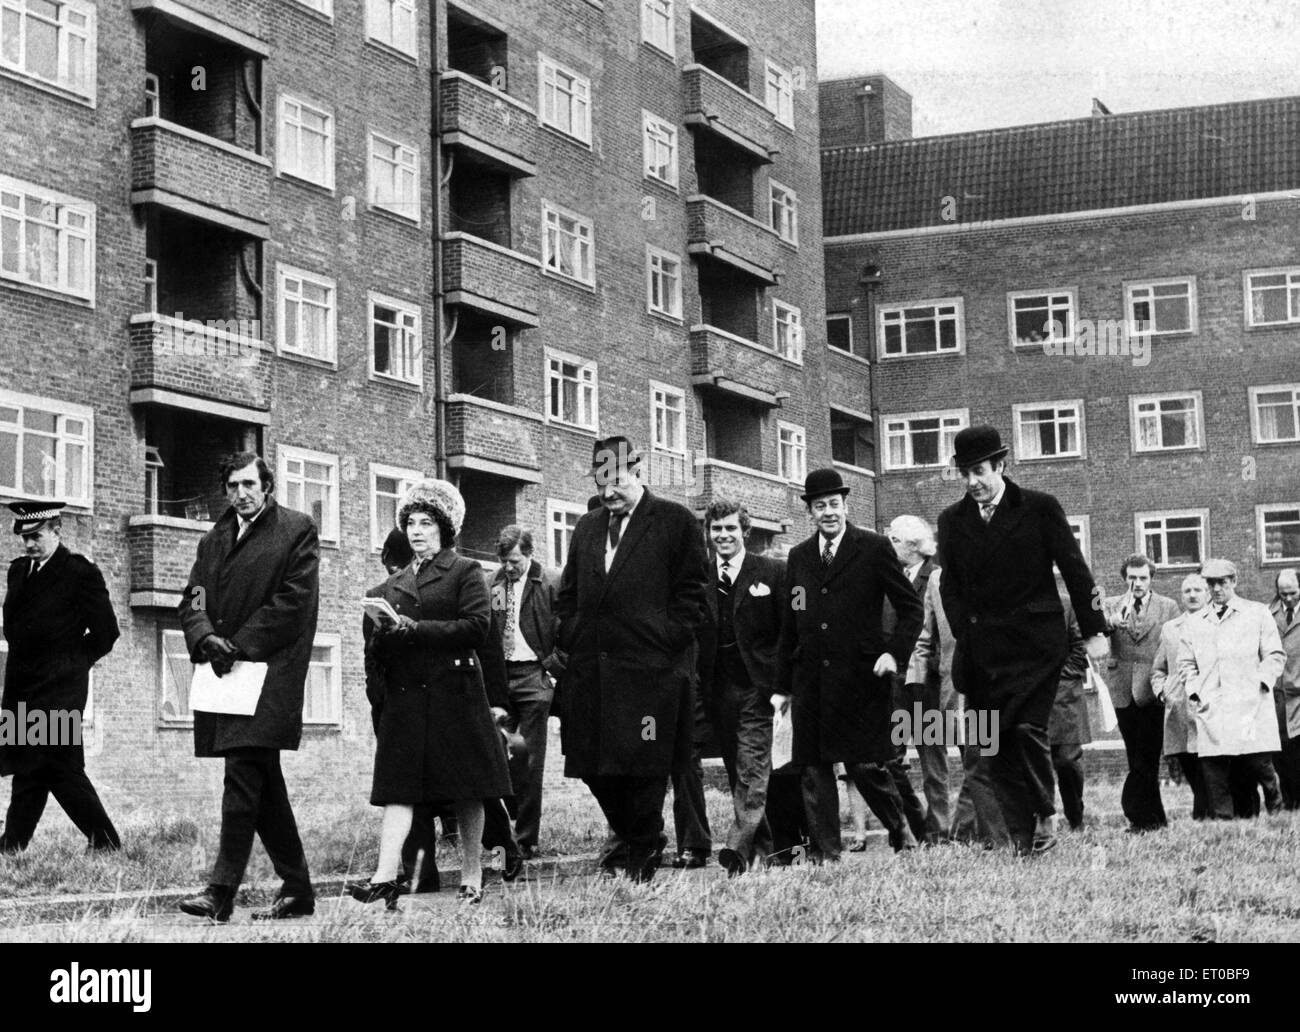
(724, 234)
(721, 107)
(725, 362)
(201, 176)
(489, 437)
(232, 21)
(177, 363)
(161, 551)
(492, 124)
(490, 278)
(766, 496)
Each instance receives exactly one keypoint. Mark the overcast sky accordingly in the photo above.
(976, 64)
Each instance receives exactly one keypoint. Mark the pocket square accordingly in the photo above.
(759, 590)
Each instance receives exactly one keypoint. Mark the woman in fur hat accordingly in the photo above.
(436, 738)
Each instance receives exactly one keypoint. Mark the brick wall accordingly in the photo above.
(168, 160)
(864, 109)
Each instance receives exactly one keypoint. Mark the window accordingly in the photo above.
(322, 699)
(392, 22)
(657, 24)
(395, 340)
(791, 452)
(45, 449)
(47, 239)
(175, 676)
(394, 177)
(1276, 412)
(325, 7)
(1081, 528)
(388, 486)
(1036, 318)
(787, 331)
(1279, 532)
(311, 485)
(852, 441)
(566, 99)
(921, 439)
(667, 418)
(1273, 298)
(660, 148)
(561, 518)
(839, 332)
(1052, 430)
(51, 41)
(1163, 306)
(305, 324)
(926, 328)
(1165, 422)
(780, 94)
(571, 390)
(784, 212)
(1175, 538)
(663, 283)
(306, 145)
(567, 244)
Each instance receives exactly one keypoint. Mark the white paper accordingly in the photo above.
(380, 611)
(237, 692)
(1095, 684)
(782, 738)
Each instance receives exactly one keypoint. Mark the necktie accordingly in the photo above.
(725, 577)
(31, 570)
(508, 632)
(615, 530)
(243, 528)
(986, 511)
(1290, 615)
(1222, 610)
(1137, 608)
(827, 554)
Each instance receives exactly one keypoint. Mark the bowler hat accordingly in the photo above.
(29, 517)
(977, 444)
(823, 482)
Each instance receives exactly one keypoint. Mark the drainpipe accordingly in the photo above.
(439, 293)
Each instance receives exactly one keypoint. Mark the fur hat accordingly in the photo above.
(436, 495)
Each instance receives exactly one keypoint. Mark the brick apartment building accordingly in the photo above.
(385, 239)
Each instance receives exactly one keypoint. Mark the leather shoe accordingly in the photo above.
(732, 861)
(216, 903)
(287, 906)
(513, 868)
(902, 839)
(691, 859)
(368, 892)
(1044, 836)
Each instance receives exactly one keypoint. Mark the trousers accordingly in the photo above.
(255, 799)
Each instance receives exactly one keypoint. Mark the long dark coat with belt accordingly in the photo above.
(261, 593)
(832, 633)
(628, 633)
(435, 737)
(999, 593)
(58, 625)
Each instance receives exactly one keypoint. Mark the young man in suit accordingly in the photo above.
(836, 663)
(997, 547)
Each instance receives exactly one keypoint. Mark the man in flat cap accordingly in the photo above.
(59, 622)
(629, 604)
(997, 547)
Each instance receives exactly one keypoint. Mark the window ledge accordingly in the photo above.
(393, 51)
(293, 177)
(675, 320)
(47, 292)
(568, 281)
(658, 51)
(62, 92)
(324, 364)
(311, 12)
(671, 188)
(577, 141)
(831, 349)
(395, 381)
(860, 470)
(1021, 459)
(555, 424)
(1181, 450)
(393, 216)
(930, 354)
(1270, 444)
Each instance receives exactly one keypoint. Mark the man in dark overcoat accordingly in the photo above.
(59, 622)
(836, 664)
(252, 596)
(997, 547)
(629, 604)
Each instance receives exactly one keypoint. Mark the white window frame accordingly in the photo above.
(405, 478)
(286, 453)
(405, 169)
(885, 318)
(658, 133)
(325, 7)
(1260, 512)
(1131, 298)
(1083, 525)
(556, 511)
(654, 272)
(579, 241)
(658, 26)
(333, 642)
(791, 438)
(659, 395)
(1291, 276)
(962, 416)
(64, 80)
(847, 318)
(778, 93)
(176, 639)
(588, 380)
(788, 318)
(1255, 422)
(409, 327)
(783, 211)
(1052, 299)
(284, 127)
(63, 411)
(578, 92)
(1076, 404)
(1165, 515)
(377, 19)
(58, 214)
(1136, 401)
(284, 273)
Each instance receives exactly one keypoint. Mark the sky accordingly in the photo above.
(979, 64)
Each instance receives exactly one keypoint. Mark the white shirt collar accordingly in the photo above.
(996, 500)
(834, 542)
(914, 569)
(733, 564)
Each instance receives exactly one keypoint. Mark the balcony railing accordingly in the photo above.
(161, 551)
(489, 122)
(722, 107)
(767, 497)
(490, 278)
(717, 231)
(221, 360)
(490, 437)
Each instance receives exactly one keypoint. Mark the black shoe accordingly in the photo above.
(528, 852)
(902, 839)
(285, 907)
(691, 859)
(216, 903)
(469, 895)
(732, 861)
(643, 872)
(368, 892)
(514, 866)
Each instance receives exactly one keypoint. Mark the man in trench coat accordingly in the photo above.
(1286, 693)
(629, 604)
(1167, 683)
(253, 595)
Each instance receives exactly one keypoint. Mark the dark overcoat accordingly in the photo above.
(628, 635)
(436, 740)
(262, 594)
(58, 625)
(832, 633)
(1000, 596)
(1068, 723)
